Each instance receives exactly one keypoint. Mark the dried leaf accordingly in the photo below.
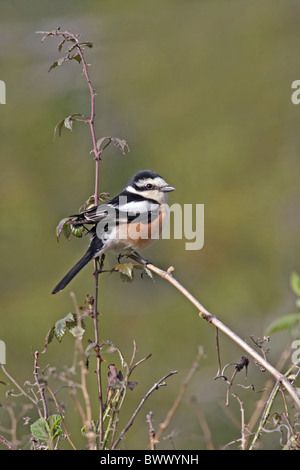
(120, 144)
(101, 141)
(58, 127)
(77, 331)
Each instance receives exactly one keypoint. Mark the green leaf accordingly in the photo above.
(49, 338)
(87, 43)
(295, 283)
(52, 66)
(60, 45)
(57, 63)
(63, 227)
(77, 230)
(54, 422)
(286, 322)
(58, 330)
(61, 325)
(125, 270)
(47, 429)
(40, 429)
(67, 229)
(76, 57)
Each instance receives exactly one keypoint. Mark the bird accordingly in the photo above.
(126, 224)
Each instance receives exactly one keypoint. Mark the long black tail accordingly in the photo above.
(93, 250)
(72, 273)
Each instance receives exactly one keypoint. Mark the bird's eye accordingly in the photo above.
(149, 186)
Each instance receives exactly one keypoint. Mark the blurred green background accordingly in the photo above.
(201, 91)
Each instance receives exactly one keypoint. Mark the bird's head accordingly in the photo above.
(150, 185)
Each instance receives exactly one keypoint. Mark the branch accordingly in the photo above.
(41, 388)
(7, 444)
(178, 400)
(156, 386)
(206, 315)
(152, 438)
(91, 121)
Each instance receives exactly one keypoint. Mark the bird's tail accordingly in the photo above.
(75, 270)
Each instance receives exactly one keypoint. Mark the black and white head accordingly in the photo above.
(149, 185)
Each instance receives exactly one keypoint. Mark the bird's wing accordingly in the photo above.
(120, 209)
(91, 216)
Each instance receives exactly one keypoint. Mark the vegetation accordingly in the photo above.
(71, 373)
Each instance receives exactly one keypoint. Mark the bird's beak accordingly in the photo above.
(167, 189)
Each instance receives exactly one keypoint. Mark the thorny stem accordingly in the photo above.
(91, 121)
(97, 349)
(87, 415)
(39, 385)
(206, 315)
(152, 438)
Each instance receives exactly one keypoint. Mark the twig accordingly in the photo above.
(119, 397)
(97, 153)
(156, 386)
(206, 315)
(87, 416)
(205, 429)
(243, 439)
(97, 350)
(138, 363)
(39, 385)
(62, 419)
(35, 402)
(218, 353)
(74, 38)
(267, 411)
(286, 354)
(7, 444)
(152, 438)
(171, 412)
